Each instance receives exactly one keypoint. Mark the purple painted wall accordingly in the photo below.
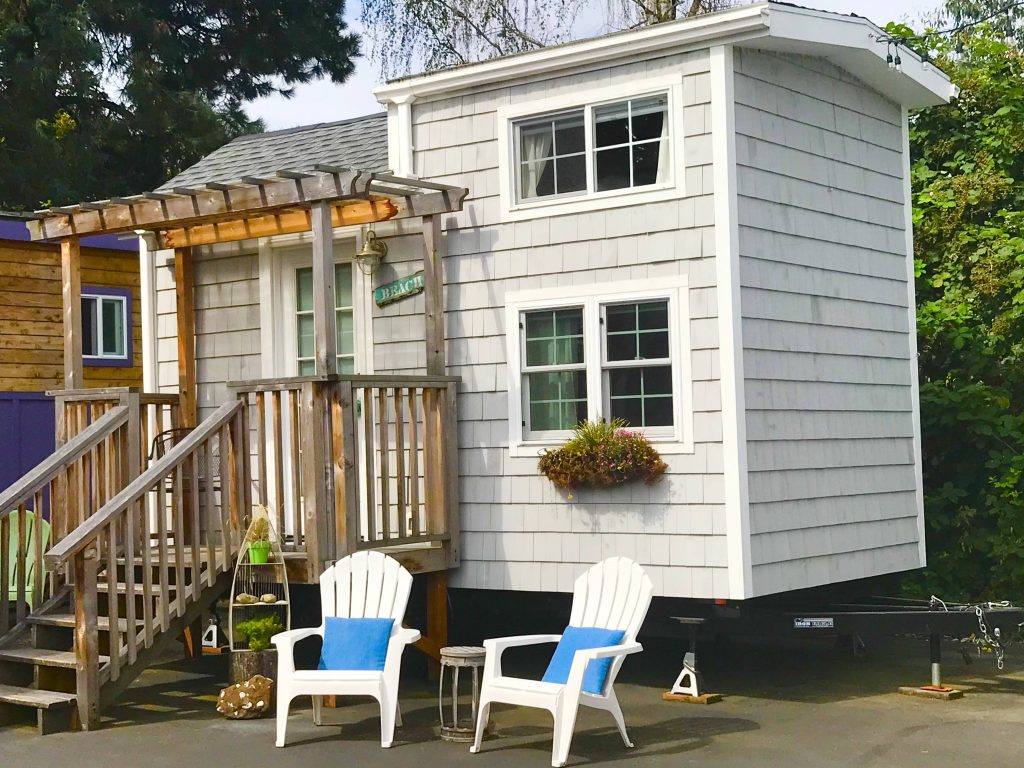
(26, 433)
(12, 227)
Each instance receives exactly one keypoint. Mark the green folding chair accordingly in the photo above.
(11, 578)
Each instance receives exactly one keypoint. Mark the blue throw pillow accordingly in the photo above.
(355, 644)
(578, 639)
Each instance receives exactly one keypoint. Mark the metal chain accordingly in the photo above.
(983, 641)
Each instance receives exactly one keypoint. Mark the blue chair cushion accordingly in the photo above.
(355, 644)
(578, 639)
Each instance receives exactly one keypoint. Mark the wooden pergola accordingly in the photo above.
(319, 200)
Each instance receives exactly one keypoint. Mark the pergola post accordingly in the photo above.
(433, 321)
(433, 295)
(71, 276)
(184, 295)
(324, 323)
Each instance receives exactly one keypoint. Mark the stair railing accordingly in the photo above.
(70, 484)
(179, 523)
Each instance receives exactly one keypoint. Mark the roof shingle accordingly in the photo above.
(360, 143)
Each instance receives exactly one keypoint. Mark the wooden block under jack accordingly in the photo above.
(704, 698)
(932, 692)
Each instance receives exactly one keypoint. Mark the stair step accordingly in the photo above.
(43, 657)
(122, 588)
(33, 697)
(68, 620)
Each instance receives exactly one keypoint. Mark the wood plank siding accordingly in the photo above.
(825, 325)
(31, 330)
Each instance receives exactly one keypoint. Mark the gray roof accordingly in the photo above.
(359, 143)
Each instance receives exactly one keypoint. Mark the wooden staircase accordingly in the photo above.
(136, 558)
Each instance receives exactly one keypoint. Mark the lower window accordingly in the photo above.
(600, 357)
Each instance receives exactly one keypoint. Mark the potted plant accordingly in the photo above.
(259, 658)
(258, 631)
(259, 539)
(602, 454)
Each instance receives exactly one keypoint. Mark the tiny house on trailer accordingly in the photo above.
(374, 327)
(730, 190)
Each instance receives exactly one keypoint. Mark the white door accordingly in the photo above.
(292, 334)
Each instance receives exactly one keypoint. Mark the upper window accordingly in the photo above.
(343, 316)
(594, 149)
(616, 354)
(106, 326)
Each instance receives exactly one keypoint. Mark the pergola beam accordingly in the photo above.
(344, 214)
(193, 206)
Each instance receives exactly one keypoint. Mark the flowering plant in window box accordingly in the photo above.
(602, 454)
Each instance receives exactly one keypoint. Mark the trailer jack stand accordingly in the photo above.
(687, 687)
(936, 690)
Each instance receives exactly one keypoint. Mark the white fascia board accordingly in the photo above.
(738, 23)
(851, 42)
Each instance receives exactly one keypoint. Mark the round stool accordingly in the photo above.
(457, 657)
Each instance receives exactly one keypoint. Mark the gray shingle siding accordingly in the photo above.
(361, 143)
(823, 277)
(519, 532)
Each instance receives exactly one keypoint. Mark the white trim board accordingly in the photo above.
(915, 398)
(730, 323)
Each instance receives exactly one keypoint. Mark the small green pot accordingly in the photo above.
(259, 552)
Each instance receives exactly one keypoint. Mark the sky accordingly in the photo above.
(323, 101)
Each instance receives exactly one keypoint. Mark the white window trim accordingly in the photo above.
(125, 325)
(514, 210)
(591, 297)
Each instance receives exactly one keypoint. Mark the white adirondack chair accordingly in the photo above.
(363, 585)
(614, 594)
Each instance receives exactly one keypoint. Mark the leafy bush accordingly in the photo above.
(968, 188)
(257, 632)
(601, 454)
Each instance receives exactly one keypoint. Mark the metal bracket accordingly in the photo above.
(689, 674)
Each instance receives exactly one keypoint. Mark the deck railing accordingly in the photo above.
(355, 462)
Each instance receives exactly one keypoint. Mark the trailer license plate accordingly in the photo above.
(821, 622)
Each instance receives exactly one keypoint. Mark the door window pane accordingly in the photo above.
(343, 317)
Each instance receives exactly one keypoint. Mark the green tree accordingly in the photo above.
(109, 97)
(968, 188)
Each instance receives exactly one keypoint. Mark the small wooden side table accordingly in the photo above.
(456, 658)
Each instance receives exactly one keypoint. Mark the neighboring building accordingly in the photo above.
(731, 193)
(32, 337)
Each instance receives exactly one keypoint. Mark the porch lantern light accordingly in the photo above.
(371, 254)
